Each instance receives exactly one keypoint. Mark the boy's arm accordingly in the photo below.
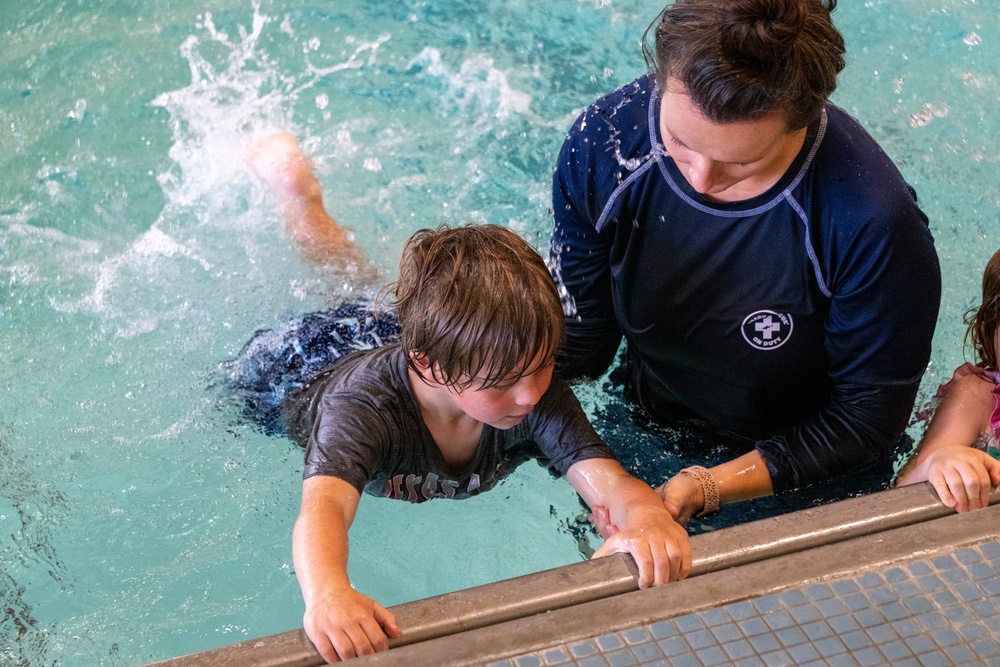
(961, 475)
(659, 545)
(341, 622)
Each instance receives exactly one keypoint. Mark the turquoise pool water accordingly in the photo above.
(139, 518)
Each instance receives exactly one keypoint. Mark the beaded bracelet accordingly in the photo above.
(709, 489)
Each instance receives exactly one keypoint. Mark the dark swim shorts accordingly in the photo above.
(277, 361)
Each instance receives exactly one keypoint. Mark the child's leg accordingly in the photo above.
(279, 162)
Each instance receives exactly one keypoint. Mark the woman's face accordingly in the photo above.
(725, 161)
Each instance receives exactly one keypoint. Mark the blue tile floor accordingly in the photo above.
(924, 612)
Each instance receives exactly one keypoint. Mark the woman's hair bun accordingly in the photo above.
(760, 31)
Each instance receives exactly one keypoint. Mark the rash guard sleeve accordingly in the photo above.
(579, 255)
(885, 296)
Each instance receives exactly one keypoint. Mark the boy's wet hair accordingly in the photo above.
(984, 319)
(476, 304)
(742, 60)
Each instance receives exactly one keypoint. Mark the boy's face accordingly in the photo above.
(505, 406)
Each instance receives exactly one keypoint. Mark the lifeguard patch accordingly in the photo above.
(766, 329)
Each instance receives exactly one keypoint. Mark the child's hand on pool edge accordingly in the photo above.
(347, 624)
(658, 544)
(962, 476)
(633, 515)
(341, 622)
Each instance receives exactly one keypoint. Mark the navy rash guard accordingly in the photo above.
(800, 319)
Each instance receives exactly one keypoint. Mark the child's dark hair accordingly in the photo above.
(983, 320)
(743, 60)
(476, 304)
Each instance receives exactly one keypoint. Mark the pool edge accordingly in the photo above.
(513, 600)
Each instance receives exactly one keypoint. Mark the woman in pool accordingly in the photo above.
(957, 454)
(767, 264)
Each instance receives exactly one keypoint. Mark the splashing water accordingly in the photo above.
(144, 519)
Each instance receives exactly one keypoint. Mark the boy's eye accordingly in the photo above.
(501, 386)
(479, 384)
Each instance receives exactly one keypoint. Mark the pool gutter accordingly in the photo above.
(581, 583)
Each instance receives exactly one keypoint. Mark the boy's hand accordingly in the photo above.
(659, 545)
(633, 519)
(347, 624)
(962, 476)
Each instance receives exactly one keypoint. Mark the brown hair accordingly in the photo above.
(984, 318)
(747, 59)
(477, 304)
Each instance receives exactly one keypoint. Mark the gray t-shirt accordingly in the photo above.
(359, 421)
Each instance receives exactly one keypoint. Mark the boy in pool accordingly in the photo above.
(437, 413)
(957, 454)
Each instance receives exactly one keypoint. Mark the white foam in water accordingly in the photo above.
(118, 275)
(477, 82)
(211, 120)
(79, 110)
(212, 116)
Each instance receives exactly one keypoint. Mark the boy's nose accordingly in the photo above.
(530, 390)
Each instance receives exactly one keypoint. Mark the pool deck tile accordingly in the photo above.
(936, 611)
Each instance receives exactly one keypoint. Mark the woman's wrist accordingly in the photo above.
(709, 489)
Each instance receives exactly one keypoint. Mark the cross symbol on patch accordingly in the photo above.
(767, 327)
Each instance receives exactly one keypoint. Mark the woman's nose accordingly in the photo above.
(702, 174)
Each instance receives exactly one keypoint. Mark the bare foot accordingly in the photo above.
(278, 161)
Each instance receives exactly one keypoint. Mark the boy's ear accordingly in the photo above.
(419, 360)
(424, 368)
(421, 365)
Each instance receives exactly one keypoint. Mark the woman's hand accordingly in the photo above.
(738, 479)
(682, 496)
